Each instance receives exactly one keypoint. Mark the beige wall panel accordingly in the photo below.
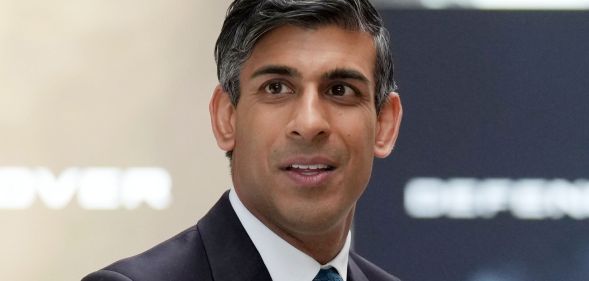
(119, 84)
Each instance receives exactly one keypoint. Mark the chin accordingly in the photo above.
(315, 221)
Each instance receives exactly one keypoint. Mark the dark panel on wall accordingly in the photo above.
(486, 94)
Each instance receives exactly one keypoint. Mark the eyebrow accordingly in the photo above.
(338, 73)
(345, 73)
(277, 69)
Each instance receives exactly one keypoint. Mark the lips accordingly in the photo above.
(309, 172)
(309, 169)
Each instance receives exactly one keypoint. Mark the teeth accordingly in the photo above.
(309, 167)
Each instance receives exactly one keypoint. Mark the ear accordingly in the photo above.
(222, 119)
(388, 124)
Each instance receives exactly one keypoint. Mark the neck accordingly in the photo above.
(323, 246)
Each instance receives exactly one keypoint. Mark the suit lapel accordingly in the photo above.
(231, 253)
(354, 271)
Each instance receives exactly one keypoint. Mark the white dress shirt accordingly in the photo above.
(283, 261)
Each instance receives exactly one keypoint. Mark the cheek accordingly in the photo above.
(359, 132)
(256, 134)
(360, 144)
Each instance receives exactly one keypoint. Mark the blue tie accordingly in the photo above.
(329, 274)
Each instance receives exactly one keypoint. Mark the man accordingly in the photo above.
(305, 103)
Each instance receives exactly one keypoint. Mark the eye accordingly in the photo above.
(341, 90)
(276, 88)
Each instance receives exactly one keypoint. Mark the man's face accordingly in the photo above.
(305, 130)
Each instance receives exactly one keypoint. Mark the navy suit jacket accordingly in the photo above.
(216, 248)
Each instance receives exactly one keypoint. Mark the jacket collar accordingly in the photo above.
(231, 253)
(354, 271)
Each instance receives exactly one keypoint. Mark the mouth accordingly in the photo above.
(309, 172)
(309, 169)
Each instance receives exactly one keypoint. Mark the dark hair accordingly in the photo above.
(248, 20)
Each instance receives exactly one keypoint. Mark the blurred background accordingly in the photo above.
(105, 142)
(489, 178)
(106, 147)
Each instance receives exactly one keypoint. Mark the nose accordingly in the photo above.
(309, 118)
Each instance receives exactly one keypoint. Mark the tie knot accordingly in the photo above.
(329, 274)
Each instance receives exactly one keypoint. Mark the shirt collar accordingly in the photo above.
(283, 261)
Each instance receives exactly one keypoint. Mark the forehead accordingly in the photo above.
(314, 50)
